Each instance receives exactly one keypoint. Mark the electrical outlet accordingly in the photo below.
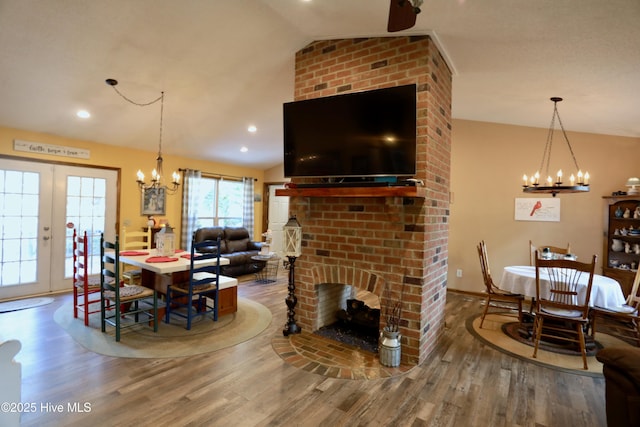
(459, 272)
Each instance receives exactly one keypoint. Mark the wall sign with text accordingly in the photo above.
(542, 209)
(53, 150)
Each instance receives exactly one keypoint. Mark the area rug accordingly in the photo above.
(492, 334)
(171, 340)
(22, 304)
(514, 331)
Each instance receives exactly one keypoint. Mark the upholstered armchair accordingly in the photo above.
(622, 375)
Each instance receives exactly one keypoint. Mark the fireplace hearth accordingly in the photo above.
(358, 325)
(346, 335)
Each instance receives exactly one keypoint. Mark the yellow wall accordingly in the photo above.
(275, 174)
(129, 161)
(488, 161)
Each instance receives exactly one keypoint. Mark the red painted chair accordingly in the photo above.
(86, 288)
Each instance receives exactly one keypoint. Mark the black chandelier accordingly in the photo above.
(577, 183)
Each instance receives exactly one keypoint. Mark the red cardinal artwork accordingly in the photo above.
(537, 206)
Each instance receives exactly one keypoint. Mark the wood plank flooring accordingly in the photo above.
(463, 383)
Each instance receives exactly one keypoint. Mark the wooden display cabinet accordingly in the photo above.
(622, 259)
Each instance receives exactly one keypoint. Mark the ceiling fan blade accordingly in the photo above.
(402, 16)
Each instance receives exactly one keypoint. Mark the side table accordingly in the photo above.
(269, 274)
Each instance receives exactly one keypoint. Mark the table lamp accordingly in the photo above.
(632, 183)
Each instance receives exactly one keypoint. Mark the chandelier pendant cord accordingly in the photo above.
(146, 104)
(546, 155)
(158, 173)
(161, 98)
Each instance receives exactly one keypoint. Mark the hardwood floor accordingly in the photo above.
(464, 383)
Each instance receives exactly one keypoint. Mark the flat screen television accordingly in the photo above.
(365, 134)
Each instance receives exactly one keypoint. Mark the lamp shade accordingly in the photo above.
(292, 238)
(632, 183)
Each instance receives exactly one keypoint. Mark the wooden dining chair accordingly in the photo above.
(189, 300)
(134, 240)
(86, 287)
(625, 320)
(553, 249)
(496, 298)
(122, 306)
(558, 286)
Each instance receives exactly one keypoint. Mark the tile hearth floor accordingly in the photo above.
(324, 356)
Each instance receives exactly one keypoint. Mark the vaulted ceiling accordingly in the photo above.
(225, 65)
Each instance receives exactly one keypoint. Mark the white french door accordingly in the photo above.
(278, 217)
(40, 204)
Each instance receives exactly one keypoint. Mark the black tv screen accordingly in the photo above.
(364, 134)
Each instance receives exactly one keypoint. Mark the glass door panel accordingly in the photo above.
(25, 218)
(88, 203)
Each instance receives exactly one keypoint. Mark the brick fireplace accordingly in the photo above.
(394, 247)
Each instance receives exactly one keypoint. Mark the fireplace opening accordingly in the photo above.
(357, 325)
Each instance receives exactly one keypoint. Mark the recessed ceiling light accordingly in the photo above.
(252, 128)
(244, 149)
(83, 114)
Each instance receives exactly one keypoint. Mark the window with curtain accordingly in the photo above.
(221, 203)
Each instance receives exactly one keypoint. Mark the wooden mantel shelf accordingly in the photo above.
(395, 191)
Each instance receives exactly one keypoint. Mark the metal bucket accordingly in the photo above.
(390, 349)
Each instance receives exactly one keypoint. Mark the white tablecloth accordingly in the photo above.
(605, 291)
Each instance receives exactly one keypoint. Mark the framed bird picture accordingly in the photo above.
(537, 209)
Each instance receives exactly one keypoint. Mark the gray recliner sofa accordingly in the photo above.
(236, 246)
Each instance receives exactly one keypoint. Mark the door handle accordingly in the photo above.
(46, 238)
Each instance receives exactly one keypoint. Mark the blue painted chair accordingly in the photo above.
(122, 306)
(189, 300)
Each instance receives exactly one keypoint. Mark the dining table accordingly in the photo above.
(605, 291)
(159, 271)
